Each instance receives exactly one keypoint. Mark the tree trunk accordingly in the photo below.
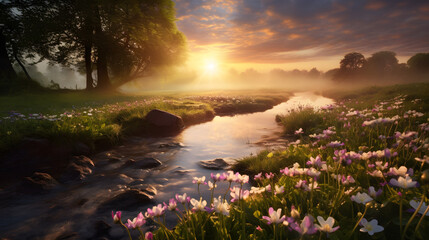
(88, 66)
(7, 73)
(103, 81)
(88, 13)
(15, 55)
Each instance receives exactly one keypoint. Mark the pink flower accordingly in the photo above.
(259, 228)
(172, 205)
(258, 176)
(269, 175)
(217, 177)
(306, 226)
(183, 198)
(237, 194)
(137, 222)
(117, 217)
(148, 236)
(156, 211)
(274, 216)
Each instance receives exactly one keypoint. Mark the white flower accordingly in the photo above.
(422, 209)
(326, 226)
(274, 216)
(221, 207)
(370, 227)
(278, 189)
(361, 198)
(199, 180)
(406, 182)
(211, 185)
(198, 205)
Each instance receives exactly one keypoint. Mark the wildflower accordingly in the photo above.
(405, 183)
(237, 194)
(274, 216)
(294, 213)
(257, 190)
(182, 198)
(117, 217)
(422, 209)
(317, 162)
(217, 177)
(148, 236)
(199, 180)
(230, 176)
(220, 206)
(259, 228)
(137, 222)
(401, 171)
(299, 131)
(425, 159)
(335, 144)
(278, 189)
(211, 185)
(312, 172)
(326, 226)
(270, 155)
(269, 175)
(198, 205)
(370, 227)
(172, 205)
(361, 198)
(306, 226)
(258, 176)
(374, 193)
(156, 211)
(242, 179)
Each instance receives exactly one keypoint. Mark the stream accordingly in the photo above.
(82, 211)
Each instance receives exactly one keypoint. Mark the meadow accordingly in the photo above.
(357, 169)
(102, 120)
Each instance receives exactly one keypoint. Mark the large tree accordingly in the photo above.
(120, 39)
(382, 63)
(350, 66)
(419, 63)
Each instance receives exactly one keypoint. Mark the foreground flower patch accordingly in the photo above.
(363, 175)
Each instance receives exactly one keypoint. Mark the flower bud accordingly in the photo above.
(424, 179)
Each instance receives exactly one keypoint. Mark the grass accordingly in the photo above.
(370, 164)
(98, 118)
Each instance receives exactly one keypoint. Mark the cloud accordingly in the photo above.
(265, 31)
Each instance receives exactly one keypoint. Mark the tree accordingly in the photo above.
(381, 63)
(350, 66)
(121, 39)
(419, 63)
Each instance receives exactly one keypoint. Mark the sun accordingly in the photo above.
(211, 66)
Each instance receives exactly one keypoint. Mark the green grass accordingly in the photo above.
(99, 118)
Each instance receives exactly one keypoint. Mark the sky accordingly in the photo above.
(299, 34)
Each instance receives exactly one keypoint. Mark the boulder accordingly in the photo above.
(129, 200)
(78, 168)
(164, 121)
(216, 164)
(38, 183)
(148, 162)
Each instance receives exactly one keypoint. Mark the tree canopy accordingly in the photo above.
(118, 40)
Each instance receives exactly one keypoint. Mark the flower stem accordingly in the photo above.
(412, 217)
(360, 219)
(128, 231)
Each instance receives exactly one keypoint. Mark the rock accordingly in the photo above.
(148, 162)
(164, 121)
(128, 200)
(216, 164)
(78, 168)
(171, 145)
(129, 163)
(38, 183)
(82, 161)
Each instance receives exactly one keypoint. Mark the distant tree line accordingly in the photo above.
(381, 66)
(111, 41)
